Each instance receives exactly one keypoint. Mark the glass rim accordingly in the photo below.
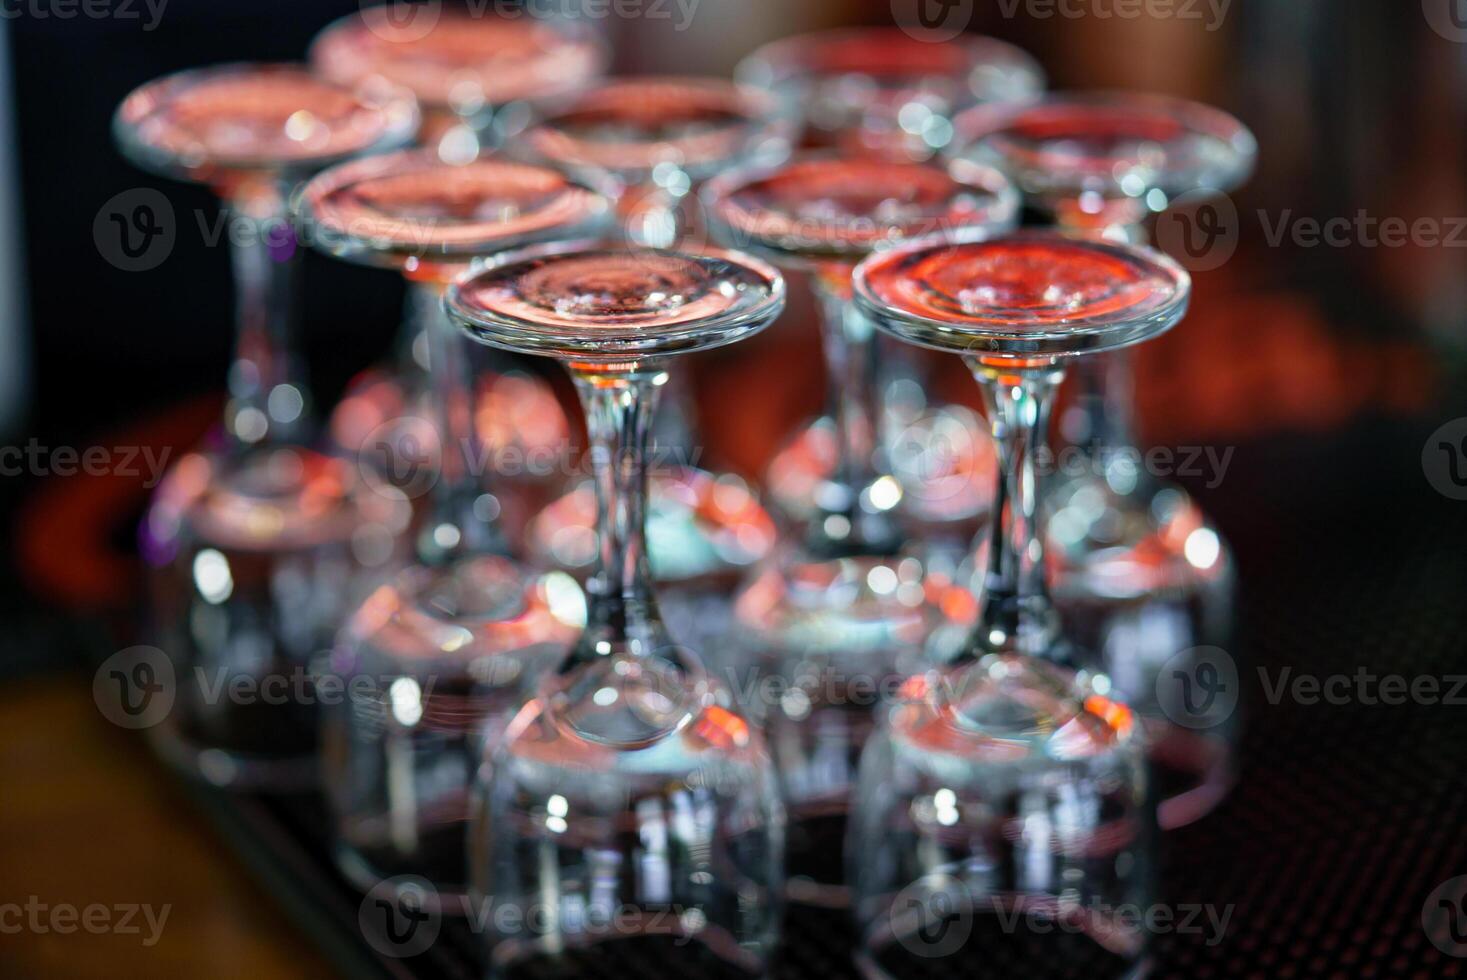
(612, 345)
(783, 60)
(397, 103)
(385, 248)
(765, 122)
(977, 127)
(1083, 336)
(576, 31)
(793, 248)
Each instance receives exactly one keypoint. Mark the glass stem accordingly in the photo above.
(1102, 419)
(622, 613)
(458, 523)
(652, 217)
(852, 516)
(1016, 614)
(269, 401)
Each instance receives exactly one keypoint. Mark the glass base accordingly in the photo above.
(943, 458)
(701, 528)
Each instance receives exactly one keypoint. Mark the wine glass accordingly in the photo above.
(882, 92)
(478, 76)
(438, 659)
(629, 803)
(848, 607)
(253, 543)
(1001, 804)
(660, 137)
(1142, 576)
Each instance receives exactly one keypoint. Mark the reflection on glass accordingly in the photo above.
(630, 802)
(1140, 574)
(1001, 810)
(254, 544)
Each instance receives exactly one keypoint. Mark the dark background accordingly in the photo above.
(1325, 368)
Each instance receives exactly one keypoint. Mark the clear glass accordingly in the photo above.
(437, 660)
(1002, 815)
(479, 77)
(659, 137)
(630, 802)
(844, 608)
(1141, 574)
(254, 545)
(882, 92)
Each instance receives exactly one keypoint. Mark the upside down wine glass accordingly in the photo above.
(254, 543)
(478, 78)
(839, 614)
(438, 659)
(629, 802)
(1143, 578)
(660, 137)
(1001, 813)
(882, 92)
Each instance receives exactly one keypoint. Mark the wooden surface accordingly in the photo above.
(87, 818)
